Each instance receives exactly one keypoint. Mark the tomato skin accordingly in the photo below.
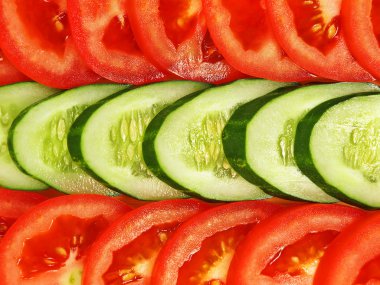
(359, 34)
(38, 221)
(264, 241)
(349, 252)
(8, 73)
(257, 62)
(188, 238)
(138, 221)
(42, 64)
(183, 56)
(336, 64)
(126, 64)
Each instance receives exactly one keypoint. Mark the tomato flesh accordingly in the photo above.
(5, 224)
(302, 257)
(134, 260)
(210, 264)
(375, 17)
(67, 239)
(314, 26)
(369, 273)
(45, 21)
(119, 36)
(246, 14)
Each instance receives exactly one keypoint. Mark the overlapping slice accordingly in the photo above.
(183, 144)
(8, 73)
(38, 139)
(107, 138)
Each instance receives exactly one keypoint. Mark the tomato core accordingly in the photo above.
(369, 273)
(119, 36)
(135, 260)
(248, 22)
(5, 224)
(375, 17)
(314, 25)
(302, 257)
(180, 18)
(68, 238)
(209, 266)
(45, 21)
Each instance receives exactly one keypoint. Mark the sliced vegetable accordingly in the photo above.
(8, 73)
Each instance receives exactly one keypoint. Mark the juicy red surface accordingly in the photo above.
(370, 271)
(5, 224)
(375, 17)
(70, 233)
(209, 50)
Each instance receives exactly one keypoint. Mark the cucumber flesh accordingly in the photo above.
(269, 133)
(38, 139)
(107, 138)
(337, 146)
(13, 99)
(187, 144)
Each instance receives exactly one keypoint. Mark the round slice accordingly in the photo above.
(49, 244)
(242, 34)
(107, 138)
(38, 139)
(287, 247)
(311, 35)
(107, 44)
(129, 256)
(259, 138)
(200, 250)
(13, 204)
(13, 99)
(174, 35)
(337, 147)
(183, 144)
(8, 73)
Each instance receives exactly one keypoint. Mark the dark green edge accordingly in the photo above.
(21, 116)
(234, 138)
(149, 151)
(302, 152)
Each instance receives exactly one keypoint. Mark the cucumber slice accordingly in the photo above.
(183, 144)
(264, 132)
(38, 139)
(106, 139)
(13, 99)
(338, 146)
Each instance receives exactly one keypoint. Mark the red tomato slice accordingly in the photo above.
(354, 257)
(49, 243)
(13, 204)
(286, 248)
(361, 28)
(104, 37)
(310, 33)
(8, 73)
(174, 35)
(36, 38)
(201, 249)
(241, 32)
(148, 228)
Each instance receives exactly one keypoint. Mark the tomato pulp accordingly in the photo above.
(8, 73)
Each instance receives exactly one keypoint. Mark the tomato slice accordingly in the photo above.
(49, 244)
(104, 37)
(8, 73)
(354, 257)
(129, 255)
(201, 249)
(13, 204)
(36, 38)
(174, 35)
(287, 247)
(310, 33)
(241, 32)
(361, 22)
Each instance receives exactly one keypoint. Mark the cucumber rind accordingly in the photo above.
(304, 157)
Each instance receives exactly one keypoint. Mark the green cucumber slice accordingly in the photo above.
(38, 139)
(264, 132)
(13, 99)
(183, 146)
(338, 146)
(107, 138)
